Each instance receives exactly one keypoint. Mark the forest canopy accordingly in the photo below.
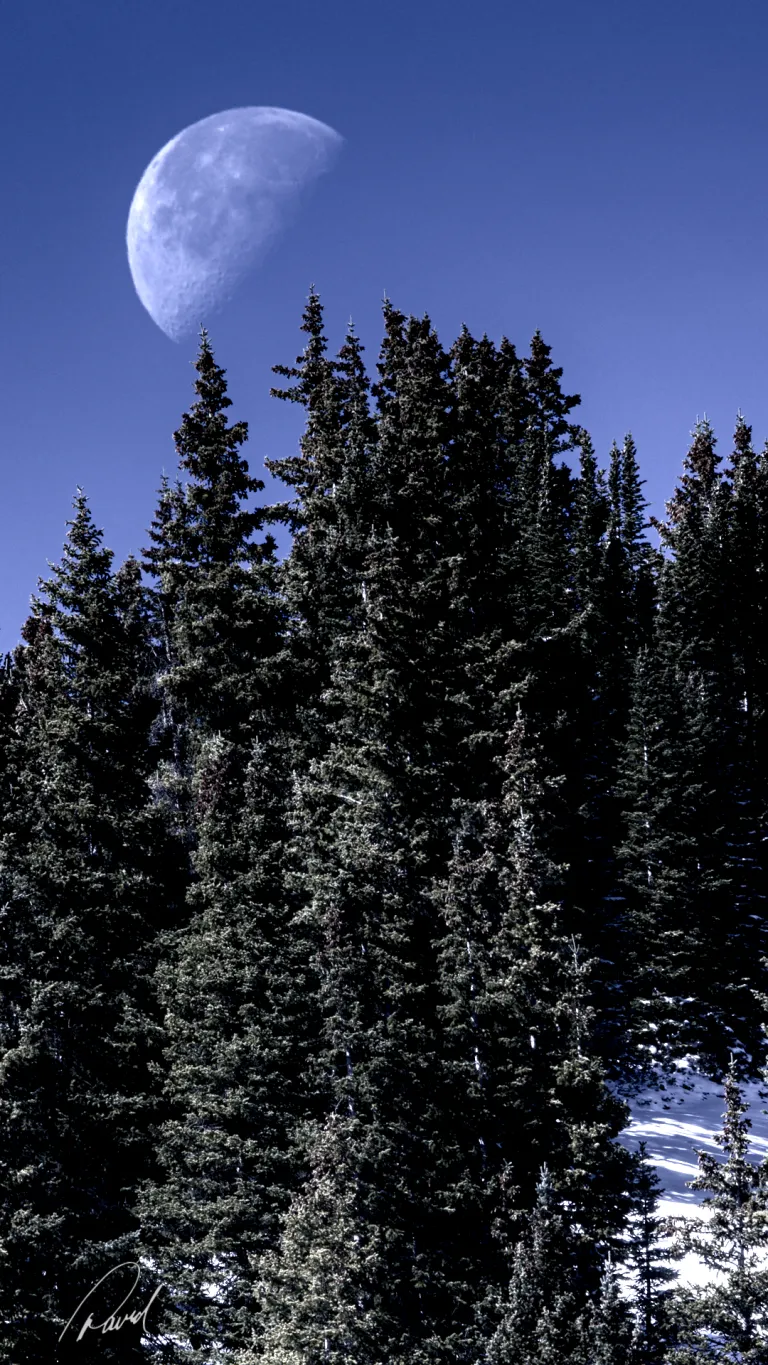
(344, 895)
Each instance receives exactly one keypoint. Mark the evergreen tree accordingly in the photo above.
(614, 598)
(592, 764)
(727, 1320)
(547, 406)
(611, 1333)
(652, 1257)
(549, 1317)
(231, 979)
(326, 1289)
(483, 548)
(239, 1015)
(523, 1084)
(686, 786)
(330, 515)
(371, 838)
(245, 1064)
(748, 566)
(87, 875)
(468, 798)
(215, 584)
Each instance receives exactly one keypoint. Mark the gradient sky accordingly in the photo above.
(594, 169)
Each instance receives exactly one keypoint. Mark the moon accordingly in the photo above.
(212, 201)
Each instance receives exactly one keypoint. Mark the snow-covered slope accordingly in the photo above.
(675, 1120)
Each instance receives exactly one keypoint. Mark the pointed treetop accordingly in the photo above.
(312, 363)
(701, 475)
(614, 490)
(736, 1180)
(208, 448)
(744, 462)
(633, 503)
(84, 560)
(354, 385)
(549, 406)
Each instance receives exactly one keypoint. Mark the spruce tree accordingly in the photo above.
(325, 1290)
(652, 1257)
(231, 980)
(370, 839)
(614, 599)
(329, 515)
(88, 874)
(523, 1083)
(727, 1320)
(214, 580)
(611, 1333)
(246, 1065)
(543, 1317)
(686, 787)
(239, 1014)
(549, 1316)
(748, 564)
(483, 548)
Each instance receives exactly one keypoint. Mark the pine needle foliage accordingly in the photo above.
(342, 895)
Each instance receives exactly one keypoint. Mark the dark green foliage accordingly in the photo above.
(523, 1085)
(369, 843)
(230, 984)
(728, 1320)
(614, 596)
(611, 1333)
(87, 879)
(652, 1256)
(322, 580)
(214, 595)
(545, 1317)
(238, 1012)
(326, 1291)
(336, 891)
(694, 789)
(550, 1317)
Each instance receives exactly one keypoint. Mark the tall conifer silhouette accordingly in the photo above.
(88, 875)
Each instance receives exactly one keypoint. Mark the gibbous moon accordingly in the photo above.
(211, 202)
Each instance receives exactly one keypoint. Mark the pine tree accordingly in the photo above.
(325, 1291)
(483, 548)
(231, 980)
(371, 837)
(652, 1257)
(610, 1331)
(748, 565)
(240, 1015)
(548, 407)
(523, 1083)
(549, 1317)
(592, 762)
(614, 598)
(87, 875)
(330, 515)
(727, 1320)
(597, 1177)
(215, 584)
(688, 813)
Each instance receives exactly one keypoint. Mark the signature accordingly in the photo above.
(118, 1318)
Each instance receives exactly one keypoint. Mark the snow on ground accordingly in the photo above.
(675, 1119)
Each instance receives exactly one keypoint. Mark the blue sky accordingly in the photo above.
(594, 169)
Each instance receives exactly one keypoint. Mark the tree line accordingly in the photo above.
(342, 896)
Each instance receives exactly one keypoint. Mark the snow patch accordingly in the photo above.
(675, 1119)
